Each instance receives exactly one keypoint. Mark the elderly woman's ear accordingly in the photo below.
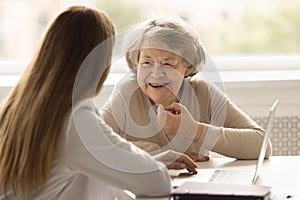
(188, 70)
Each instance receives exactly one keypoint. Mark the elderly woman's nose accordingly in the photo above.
(157, 71)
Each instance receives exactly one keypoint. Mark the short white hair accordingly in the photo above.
(170, 34)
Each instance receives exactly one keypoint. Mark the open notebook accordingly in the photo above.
(232, 176)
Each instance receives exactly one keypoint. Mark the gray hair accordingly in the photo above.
(170, 34)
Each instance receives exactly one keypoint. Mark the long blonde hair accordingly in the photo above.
(33, 116)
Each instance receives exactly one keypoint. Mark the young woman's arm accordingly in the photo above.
(95, 150)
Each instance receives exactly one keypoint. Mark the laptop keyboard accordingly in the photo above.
(229, 176)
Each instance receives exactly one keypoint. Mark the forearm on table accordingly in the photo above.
(206, 137)
(241, 143)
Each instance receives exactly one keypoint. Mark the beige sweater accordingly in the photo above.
(230, 131)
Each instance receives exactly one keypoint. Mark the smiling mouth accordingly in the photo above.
(158, 85)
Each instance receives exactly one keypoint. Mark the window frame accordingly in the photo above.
(231, 68)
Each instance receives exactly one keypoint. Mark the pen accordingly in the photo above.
(175, 112)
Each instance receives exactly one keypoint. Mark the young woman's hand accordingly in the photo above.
(195, 157)
(175, 160)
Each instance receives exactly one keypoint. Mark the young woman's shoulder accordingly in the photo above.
(86, 103)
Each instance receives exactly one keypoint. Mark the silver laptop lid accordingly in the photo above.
(265, 141)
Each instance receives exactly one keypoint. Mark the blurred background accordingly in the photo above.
(225, 26)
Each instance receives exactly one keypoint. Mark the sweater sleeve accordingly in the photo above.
(231, 132)
(93, 149)
(241, 137)
(106, 114)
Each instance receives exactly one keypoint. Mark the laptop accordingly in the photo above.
(232, 176)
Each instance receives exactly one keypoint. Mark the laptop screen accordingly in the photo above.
(265, 141)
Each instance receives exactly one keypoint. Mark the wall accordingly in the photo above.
(255, 98)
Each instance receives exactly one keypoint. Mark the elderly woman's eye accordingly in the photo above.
(169, 65)
(146, 64)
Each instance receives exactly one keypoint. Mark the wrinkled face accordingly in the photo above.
(160, 74)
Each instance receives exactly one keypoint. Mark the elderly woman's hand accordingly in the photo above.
(176, 120)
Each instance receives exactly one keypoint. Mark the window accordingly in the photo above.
(225, 27)
(235, 33)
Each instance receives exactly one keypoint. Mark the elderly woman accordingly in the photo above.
(165, 103)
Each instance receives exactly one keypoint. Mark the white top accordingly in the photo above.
(93, 161)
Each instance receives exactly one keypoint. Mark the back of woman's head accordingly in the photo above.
(32, 117)
(73, 35)
(167, 33)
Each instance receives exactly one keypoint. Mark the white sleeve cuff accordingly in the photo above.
(211, 137)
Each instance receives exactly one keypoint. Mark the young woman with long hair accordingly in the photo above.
(48, 119)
